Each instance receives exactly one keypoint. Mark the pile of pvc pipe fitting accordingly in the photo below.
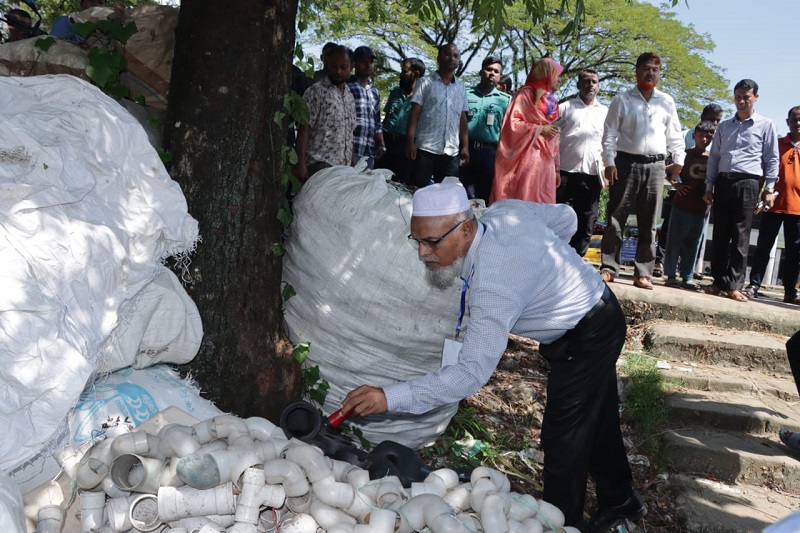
(245, 476)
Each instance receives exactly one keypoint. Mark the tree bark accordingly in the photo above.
(230, 72)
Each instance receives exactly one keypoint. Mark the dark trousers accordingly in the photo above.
(582, 193)
(793, 352)
(479, 174)
(661, 235)
(395, 158)
(734, 202)
(580, 433)
(767, 233)
(640, 185)
(428, 165)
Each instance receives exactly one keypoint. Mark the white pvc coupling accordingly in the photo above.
(93, 511)
(49, 519)
(143, 513)
(136, 473)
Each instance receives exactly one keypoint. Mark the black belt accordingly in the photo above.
(394, 139)
(601, 303)
(643, 159)
(735, 176)
(479, 145)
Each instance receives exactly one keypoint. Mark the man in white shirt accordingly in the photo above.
(641, 124)
(581, 148)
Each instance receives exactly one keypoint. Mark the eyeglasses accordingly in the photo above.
(432, 243)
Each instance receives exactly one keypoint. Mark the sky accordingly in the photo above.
(756, 40)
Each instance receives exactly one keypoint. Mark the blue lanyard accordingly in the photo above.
(462, 309)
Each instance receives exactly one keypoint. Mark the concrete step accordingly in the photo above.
(742, 412)
(708, 506)
(732, 458)
(714, 345)
(699, 376)
(679, 305)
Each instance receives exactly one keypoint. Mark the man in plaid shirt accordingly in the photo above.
(368, 135)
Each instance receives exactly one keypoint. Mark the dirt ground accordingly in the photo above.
(510, 408)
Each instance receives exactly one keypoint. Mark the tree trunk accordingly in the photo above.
(230, 72)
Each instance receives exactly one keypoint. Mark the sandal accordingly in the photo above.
(737, 296)
(790, 438)
(713, 290)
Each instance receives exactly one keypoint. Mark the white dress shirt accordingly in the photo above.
(637, 126)
(581, 137)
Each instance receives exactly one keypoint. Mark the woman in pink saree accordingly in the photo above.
(526, 164)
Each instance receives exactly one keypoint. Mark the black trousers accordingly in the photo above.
(734, 202)
(581, 435)
(582, 193)
(395, 158)
(428, 165)
(480, 172)
(793, 352)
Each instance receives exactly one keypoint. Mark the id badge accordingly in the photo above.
(490, 119)
(450, 351)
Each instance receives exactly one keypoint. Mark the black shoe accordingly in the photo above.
(752, 292)
(605, 519)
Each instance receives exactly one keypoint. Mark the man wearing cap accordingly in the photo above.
(437, 139)
(642, 123)
(518, 275)
(368, 136)
(487, 107)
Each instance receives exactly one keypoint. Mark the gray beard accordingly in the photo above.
(444, 277)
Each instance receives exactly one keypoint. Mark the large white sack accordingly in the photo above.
(362, 300)
(87, 214)
(12, 517)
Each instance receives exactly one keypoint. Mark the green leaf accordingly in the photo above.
(165, 155)
(310, 376)
(45, 43)
(276, 249)
(278, 118)
(154, 122)
(285, 217)
(83, 28)
(288, 292)
(320, 393)
(300, 353)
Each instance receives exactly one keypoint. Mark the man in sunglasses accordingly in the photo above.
(519, 275)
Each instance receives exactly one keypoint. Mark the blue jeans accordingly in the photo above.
(683, 240)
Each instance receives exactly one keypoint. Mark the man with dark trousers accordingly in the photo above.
(642, 123)
(395, 120)
(518, 275)
(743, 153)
(581, 149)
(487, 107)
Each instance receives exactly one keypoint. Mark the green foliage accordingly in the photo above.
(316, 387)
(45, 43)
(288, 292)
(644, 407)
(301, 351)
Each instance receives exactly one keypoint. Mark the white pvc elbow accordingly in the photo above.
(176, 440)
(333, 493)
(431, 511)
(94, 469)
(327, 516)
(136, 442)
(390, 491)
(301, 523)
(493, 514)
(229, 427)
(287, 474)
(263, 430)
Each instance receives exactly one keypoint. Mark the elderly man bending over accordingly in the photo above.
(519, 275)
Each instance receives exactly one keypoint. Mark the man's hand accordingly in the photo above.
(364, 401)
(769, 199)
(673, 170)
(411, 148)
(708, 197)
(464, 156)
(611, 175)
(380, 151)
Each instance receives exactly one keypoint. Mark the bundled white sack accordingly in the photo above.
(362, 300)
(88, 213)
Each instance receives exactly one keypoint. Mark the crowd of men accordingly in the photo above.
(432, 126)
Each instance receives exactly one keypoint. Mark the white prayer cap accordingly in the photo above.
(440, 199)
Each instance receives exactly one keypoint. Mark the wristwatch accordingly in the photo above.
(380, 149)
